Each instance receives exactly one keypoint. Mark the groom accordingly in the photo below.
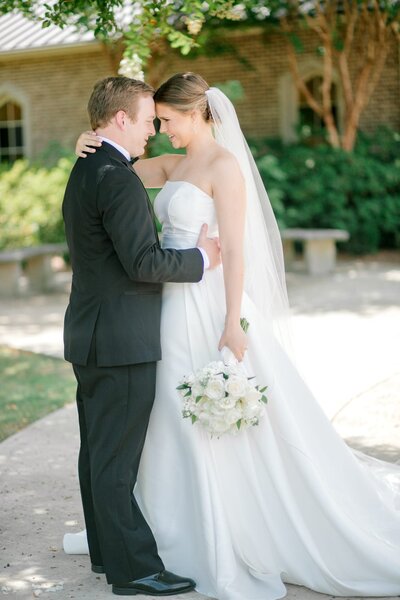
(111, 332)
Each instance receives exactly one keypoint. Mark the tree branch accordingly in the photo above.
(300, 84)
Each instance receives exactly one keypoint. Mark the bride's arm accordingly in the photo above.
(230, 202)
(153, 172)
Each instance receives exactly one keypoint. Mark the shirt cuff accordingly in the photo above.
(206, 260)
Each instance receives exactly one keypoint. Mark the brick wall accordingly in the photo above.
(259, 111)
(58, 86)
(57, 89)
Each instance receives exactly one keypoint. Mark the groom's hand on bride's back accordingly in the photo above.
(210, 246)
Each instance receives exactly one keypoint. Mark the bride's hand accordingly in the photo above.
(84, 143)
(234, 338)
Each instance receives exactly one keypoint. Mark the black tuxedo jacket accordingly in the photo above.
(117, 263)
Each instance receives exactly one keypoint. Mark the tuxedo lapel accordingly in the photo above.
(116, 154)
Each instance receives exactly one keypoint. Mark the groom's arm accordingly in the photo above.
(123, 204)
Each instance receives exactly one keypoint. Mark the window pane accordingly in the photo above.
(11, 136)
(11, 132)
(19, 136)
(309, 117)
(3, 137)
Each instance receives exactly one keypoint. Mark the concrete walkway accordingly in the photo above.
(347, 330)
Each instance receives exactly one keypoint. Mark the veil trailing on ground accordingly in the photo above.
(264, 266)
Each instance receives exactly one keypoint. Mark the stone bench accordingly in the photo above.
(319, 247)
(38, 270)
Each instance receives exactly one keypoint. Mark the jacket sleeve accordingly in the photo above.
(124, 205)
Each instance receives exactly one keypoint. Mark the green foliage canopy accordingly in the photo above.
(180, 22)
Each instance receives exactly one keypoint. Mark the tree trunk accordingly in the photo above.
(374, 30)
(158, 63)
(113, 52)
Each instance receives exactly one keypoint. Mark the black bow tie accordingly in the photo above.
(133, 160)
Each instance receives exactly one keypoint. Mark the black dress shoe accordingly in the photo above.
(97, 568)
(164, 583)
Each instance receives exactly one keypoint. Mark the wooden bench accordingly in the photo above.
(38, 270)
(319, 247)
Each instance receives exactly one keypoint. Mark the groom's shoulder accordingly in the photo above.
(100, 159)
(101, 164)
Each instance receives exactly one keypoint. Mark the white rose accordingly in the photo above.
(228, 402)
(217, 411)
(233, 416)
(190, 379)
(253, 396)
(233, 370)
(215, 388)
(204, 407)
(215, 368)
(197, 390)
(252, 411)
(236, 386)
(218, 426)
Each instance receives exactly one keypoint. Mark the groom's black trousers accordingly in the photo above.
(114, 405)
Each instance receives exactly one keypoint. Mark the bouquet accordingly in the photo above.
(221, 398)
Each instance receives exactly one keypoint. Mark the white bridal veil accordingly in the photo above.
(264, 266)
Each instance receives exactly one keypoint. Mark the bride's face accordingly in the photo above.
(179, 126)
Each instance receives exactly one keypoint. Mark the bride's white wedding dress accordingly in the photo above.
(286, 501)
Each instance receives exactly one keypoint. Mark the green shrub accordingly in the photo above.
(320, 187)
(30, 203)
(310, 187)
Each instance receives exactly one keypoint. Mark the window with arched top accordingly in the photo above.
(294, 111)
(12, 144)
(308, 117)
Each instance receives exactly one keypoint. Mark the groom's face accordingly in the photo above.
(138, 131)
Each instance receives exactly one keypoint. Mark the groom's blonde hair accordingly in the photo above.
(113, 94)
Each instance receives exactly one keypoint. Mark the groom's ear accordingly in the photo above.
(120, 119)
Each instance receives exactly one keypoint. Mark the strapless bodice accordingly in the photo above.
(182, 208)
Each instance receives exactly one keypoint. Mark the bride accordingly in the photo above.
(287, 501)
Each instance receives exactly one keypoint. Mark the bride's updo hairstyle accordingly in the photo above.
(185, 92)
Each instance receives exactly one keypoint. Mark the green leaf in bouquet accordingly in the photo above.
(198, 398)
(183, 386)
(262, 390)
(225, 376)
(188, 393)
(238, 423)
(264, 399)
(194, 419)
(244, 324)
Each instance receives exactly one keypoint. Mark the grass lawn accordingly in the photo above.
(31, 387)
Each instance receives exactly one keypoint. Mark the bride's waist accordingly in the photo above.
(180, 240)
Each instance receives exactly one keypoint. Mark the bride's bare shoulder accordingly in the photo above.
(225, 164)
